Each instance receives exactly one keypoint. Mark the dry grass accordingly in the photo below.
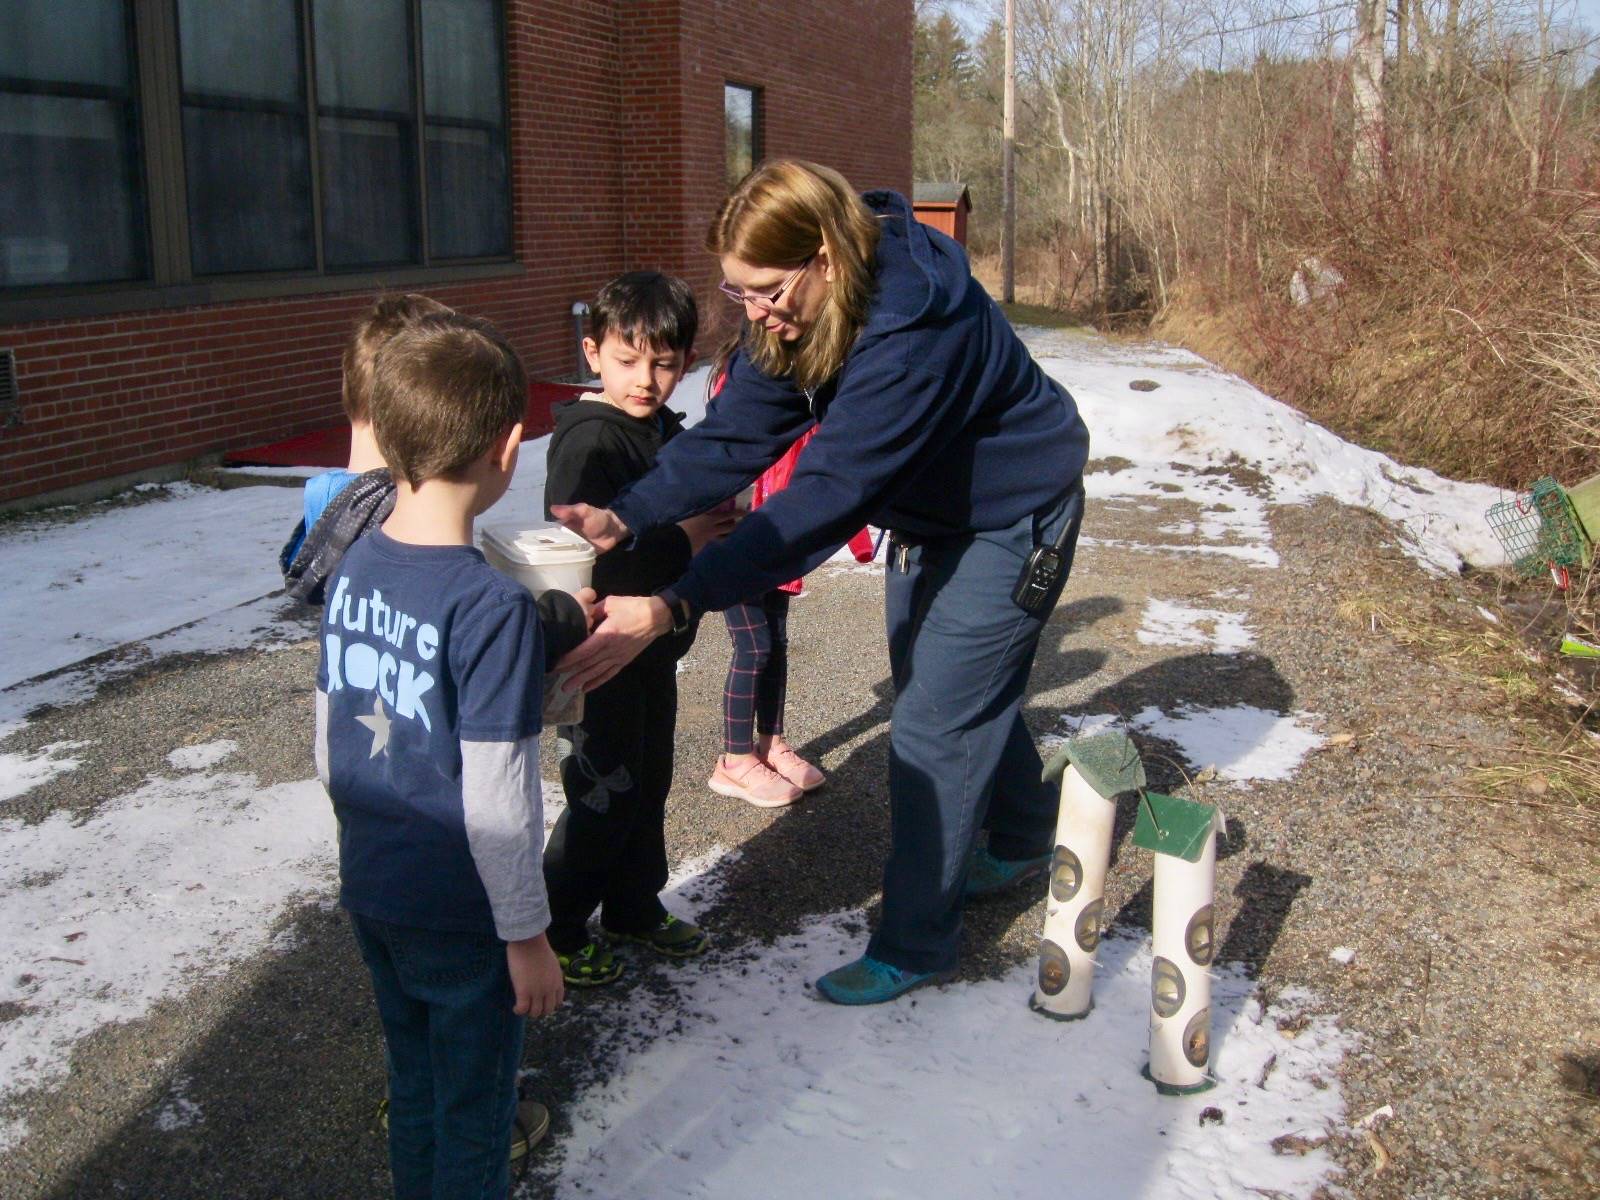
(1554, 760)
(1426, 353)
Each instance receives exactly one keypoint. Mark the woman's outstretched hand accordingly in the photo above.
(627, 625)
(598, 526)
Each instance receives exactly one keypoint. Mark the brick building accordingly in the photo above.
(199, 197)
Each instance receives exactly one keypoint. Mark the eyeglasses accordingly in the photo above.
(766, 303)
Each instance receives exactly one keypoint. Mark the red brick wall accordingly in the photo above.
(835, 80)
(617, 162)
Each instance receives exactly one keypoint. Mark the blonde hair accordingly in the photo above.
(780, 215)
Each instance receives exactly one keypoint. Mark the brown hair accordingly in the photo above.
(389, 314)
(444, 389)
(781, 214)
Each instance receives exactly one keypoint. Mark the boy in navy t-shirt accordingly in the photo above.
(428, 702)
(312, 553)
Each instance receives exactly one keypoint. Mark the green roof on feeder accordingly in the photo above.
(1109, 762)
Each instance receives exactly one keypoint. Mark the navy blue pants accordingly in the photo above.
(453, 1046)
(960, 757)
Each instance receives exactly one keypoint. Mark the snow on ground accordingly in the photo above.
(21, 773)
(177, 1111)
(1171, 623)
(202, 757)
(125, 573)
(752, 1086)
(1241, 741)
(105, 917)
(1199, 419)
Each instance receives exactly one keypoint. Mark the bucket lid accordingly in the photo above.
(537, 545)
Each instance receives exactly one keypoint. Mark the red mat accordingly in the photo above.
(331, 447)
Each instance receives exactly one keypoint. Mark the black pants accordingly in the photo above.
(608, 850)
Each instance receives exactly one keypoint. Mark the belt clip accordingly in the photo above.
(902, 553)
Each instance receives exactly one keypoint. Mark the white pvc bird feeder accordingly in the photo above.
(1093, 771)
(1182, 834)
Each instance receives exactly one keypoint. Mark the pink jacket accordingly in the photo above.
(775, 479)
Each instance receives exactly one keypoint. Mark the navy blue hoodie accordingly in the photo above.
(939, 423)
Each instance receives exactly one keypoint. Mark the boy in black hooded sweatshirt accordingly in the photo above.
(608, 849)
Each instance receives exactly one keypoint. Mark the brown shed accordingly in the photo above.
(944, 206)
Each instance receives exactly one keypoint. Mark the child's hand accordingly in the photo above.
(589, 600)
(535, 977)
(708, 527)
(597, 526)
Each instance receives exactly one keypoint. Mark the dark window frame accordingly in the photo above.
(758, 119)
(157, 105)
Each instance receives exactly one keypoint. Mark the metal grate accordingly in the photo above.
(1537, 529)
(10, 401)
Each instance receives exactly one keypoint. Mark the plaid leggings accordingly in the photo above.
(758, 676)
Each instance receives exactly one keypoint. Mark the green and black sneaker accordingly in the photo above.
(592, 966)
(674, 938)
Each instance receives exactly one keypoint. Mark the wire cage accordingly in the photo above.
(1538, 529)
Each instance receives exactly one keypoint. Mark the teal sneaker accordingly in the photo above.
(868, 981)
(987, 874)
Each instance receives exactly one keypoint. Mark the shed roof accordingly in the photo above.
(940, 192)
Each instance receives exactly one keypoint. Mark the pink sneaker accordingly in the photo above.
(755, 783)
(795, 769)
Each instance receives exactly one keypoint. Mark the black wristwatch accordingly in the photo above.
(678, 608)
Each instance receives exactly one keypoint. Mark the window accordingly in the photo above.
(293, 138)
(741, 107)
(71, 200)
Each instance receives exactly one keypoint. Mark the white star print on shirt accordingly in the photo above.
(378, 722)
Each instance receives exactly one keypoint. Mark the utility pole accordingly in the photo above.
(1008, 168)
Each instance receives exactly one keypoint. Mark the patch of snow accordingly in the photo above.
(178, 1111)
(1169, 623)
(1487, 615)
(104, 917)
(1201, 418)
(750, 1086)
(202, 757)
(12, 1131)
(21, 773)
(76, 589)
(1243, 742)
(270, 623)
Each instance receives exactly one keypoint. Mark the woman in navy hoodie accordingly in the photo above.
(939, 427)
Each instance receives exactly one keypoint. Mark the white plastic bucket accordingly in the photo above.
(542, 558)
(539, 558)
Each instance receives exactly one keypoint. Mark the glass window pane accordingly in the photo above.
(66, 41)
(739, 114)
(467, 214)
(461, 60)
(249, 191)
(68, 192)
(363, 54)
(369, 189)
(246, 148)
(244, 48)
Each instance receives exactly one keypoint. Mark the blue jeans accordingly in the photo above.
(454, 1046)
(960, 756)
